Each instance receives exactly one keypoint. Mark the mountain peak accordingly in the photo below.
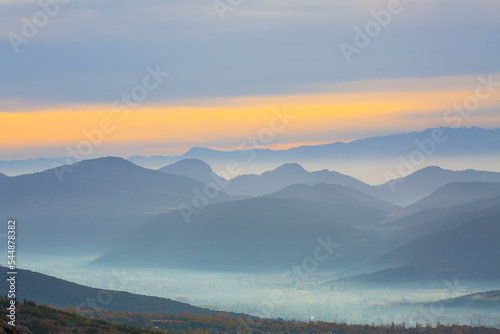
(196, 151)
(112, 166)
(193, 168)
(431, 169)
(196, 165)
(290, 168)
(104, 162)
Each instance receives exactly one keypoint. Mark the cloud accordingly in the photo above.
(92, 51)
(354, 111)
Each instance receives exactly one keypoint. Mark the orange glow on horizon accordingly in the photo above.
(232, 121)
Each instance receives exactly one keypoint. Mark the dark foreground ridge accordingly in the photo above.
(46, 319)
(48, 290)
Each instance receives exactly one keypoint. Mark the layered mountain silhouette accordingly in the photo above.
(458, 141)
(110, 198)
(400, 192)
(428, 216)
(409, 227)
(472, 141)
(254, 235)
(195, 169)
(454, 142)
(96, 199)
(425, 181)
(460, 246)
(457, 193)
(28, 166)
(285, 175)
(334, 194)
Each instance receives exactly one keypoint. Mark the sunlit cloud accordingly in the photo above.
(227, 76)
(225, 122)
(261, 48)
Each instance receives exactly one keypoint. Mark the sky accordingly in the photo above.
(149, 77)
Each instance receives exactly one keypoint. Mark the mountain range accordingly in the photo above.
(258, 234)
(194, 169)
(383, 154)
(457, 245)
(191, 218)
(457, 193)
(274, 231)
(98, 201)
(472, 141)
(400, 192)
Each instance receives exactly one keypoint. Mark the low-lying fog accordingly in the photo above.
(269, 296)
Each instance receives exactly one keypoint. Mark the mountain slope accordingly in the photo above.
(286, 175)
(468, 251)
(481, 300)
(407, 190)
(457, 193)
(48, 290)
(400, 192)
(194, 169)
(423, 224)
(474, 238)
(255, 234)
(427, 216)
(46, 319)
(97, 179)
(28, 166)
(98, 200)
(335, 194)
